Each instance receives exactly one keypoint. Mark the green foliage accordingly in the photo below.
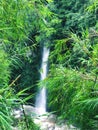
(70, 29)
(5, 93)
(20, 25)
(72, 81)
(17, 22)
(4, 66)
(72, 95)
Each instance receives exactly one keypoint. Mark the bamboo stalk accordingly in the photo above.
(15, 80)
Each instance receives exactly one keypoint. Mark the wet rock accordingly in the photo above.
(29, 110)
(46, 121)
(52, 118)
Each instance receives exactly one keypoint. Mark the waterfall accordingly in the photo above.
(40, 103)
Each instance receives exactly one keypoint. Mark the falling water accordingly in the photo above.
(41, 97)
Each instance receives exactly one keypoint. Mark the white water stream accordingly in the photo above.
(40, 103)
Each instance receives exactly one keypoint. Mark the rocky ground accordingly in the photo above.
(49, 123)
(46, 121)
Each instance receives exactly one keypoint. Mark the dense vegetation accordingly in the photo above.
(70, 29)
(72, 82)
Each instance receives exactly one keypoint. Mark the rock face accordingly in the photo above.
(46, 121)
